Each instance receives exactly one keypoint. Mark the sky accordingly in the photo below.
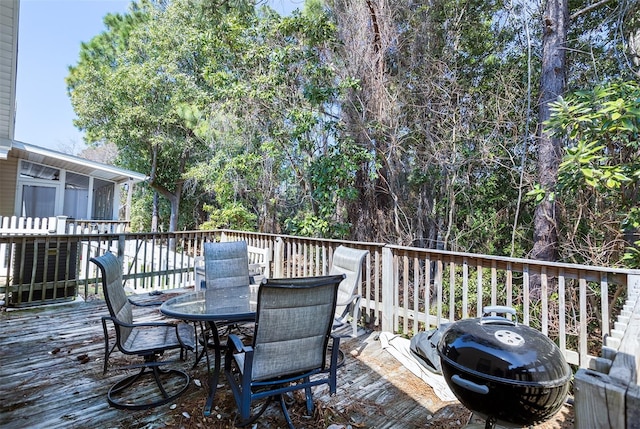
(50, 33)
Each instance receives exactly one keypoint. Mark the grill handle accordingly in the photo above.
(470, 385)
(488, 319)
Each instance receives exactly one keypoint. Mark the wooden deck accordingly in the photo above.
(51, 376)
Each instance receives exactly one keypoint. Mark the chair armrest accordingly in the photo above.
(242, 356)
(349, 300)
(234, 343)
(185, 342)
(256, 269)
(144, 303)
(139, 325)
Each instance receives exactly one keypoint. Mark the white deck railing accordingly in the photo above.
(407, 289)
(404, 289)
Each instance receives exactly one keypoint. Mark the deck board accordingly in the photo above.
(43, 384)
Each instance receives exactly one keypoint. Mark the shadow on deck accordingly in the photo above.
(51, 376)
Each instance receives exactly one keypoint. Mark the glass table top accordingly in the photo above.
(213, 304)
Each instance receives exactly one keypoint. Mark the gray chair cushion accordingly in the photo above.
(293, 325)
(227, 266)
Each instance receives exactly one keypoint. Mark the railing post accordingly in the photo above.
(61, 224)
(278, 257)
(388, 281)
(121, 247)
(633, 284)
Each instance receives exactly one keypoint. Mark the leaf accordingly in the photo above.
(628, 125)
(611, 183)
(587, 172)
(591, 182)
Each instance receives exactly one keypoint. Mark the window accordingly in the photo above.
(36, 171)
(38, 185)
(45, 191)
(76, 196)
(38, 201)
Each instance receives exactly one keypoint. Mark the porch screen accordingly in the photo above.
(76, 196)
(103, 192)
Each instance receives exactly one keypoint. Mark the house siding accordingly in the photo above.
(8, 55)
(8, 177)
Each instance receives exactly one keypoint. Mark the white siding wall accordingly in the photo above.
(8, 58)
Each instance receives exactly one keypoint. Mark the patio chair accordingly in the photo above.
(226, 265)
(148, 340)
(348, 261)
(289, 348)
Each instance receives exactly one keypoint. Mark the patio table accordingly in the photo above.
(213, 306)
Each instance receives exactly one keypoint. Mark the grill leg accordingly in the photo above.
(490, 423)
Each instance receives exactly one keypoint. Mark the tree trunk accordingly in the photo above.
(632, 24)
(173, 197)
(552, 84)
(154, 213)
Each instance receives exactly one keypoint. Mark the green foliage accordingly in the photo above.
(231, 216)
(333, 176)
(631, 256)
(313, 124)
(271, 132)
(539, 194)
(602, 161)
(308, 225)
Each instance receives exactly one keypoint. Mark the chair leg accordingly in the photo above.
(309, 397)
(203, 339)
(252, 418)
(107, 350)
(355, 313)
(283, 405)
(340, 358)
(115, 393)
(354, 325)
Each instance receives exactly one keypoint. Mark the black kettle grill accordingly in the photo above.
(508, 373)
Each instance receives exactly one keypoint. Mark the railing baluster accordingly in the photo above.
(583, 319)
(439, 275)
(604, 305)
(479, 289)
(427, 292)
(465, 288)
(494, 283)
(562, 329)
(509, 286)
(525, 295)
(405, 293)
(544, 291)
(378, 276)
(416, 294)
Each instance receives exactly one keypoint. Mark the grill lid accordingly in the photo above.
(498, 349)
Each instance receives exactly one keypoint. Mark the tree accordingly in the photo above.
(273, 131)
(552, 84)
(129, 88)
(439, 105)
(387, 120)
